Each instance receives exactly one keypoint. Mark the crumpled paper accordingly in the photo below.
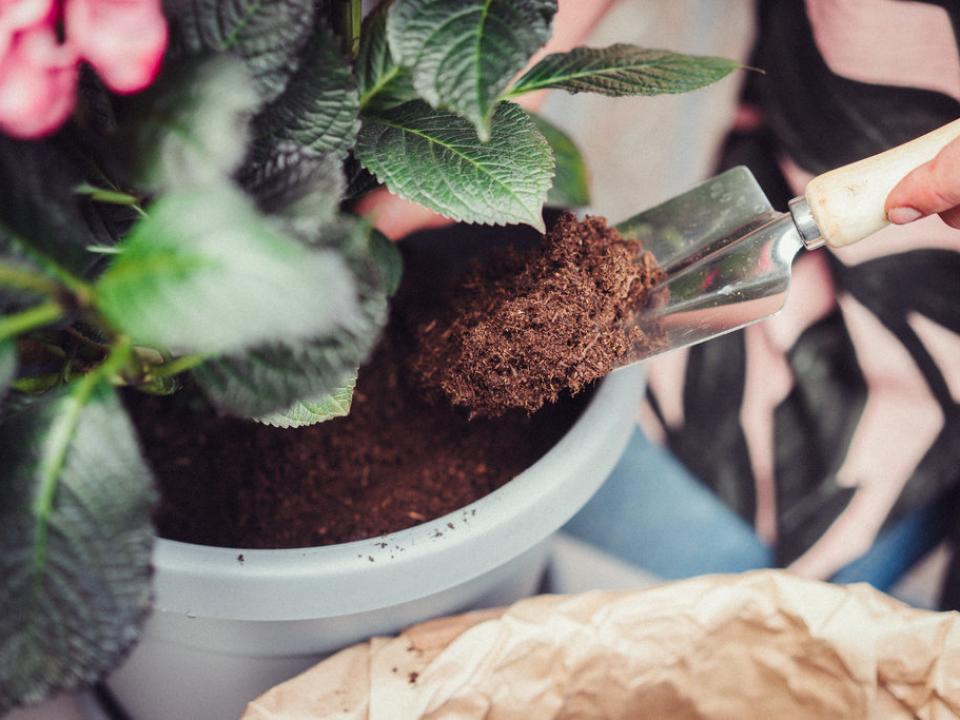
(759, 645)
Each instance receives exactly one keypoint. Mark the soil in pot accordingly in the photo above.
(393, 462)
(398, 459)
(404, 455)
(528, 326)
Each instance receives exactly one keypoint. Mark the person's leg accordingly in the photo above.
(652, 513)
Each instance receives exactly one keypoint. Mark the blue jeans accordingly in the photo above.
(651, 512)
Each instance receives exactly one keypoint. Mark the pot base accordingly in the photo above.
(230, 622)
(182, 652)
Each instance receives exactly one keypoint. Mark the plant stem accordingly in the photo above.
(174, 367)
(110, 196)
(105, 249)
(82, 291)
(37, 316)
(37, 383)
(89, 342)
(349, 20)
(15, 277)
(60, 435)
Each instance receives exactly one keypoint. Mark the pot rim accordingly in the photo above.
(363, 575)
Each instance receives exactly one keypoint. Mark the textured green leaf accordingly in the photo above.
(435, 159)
(8, 365)
(39, 204)
(205, 273)
(16, 402)
(464, 54)
(571, 187)
(360, 181)
(302, 189)
(75, 542)
(389, 260)
(191, 129)
(383, 82)
(267, 35)
(13, 258)
(272, 377)
(623, 70)
(318, 110)
(315, 410)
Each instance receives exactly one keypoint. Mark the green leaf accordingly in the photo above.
(623, 70)
(571, 187)
(191, 129)
(274, 376)
(271, 378)
(267, 36)
(464, 54)
(75, 542)
(388, 259)
(384, 83)
(8, 365)
(300, 188)
(205, 273)
(360, 181)
(435, 159)
(39, 204)
(21, 281)
(318, 110)
(315, 410)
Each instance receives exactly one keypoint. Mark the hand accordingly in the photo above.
(934, 187)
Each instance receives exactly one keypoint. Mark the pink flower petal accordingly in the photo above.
(22, 14)
(17, 15)
(38, 78)
(124, 40)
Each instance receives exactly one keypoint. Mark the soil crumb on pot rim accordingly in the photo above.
(525, 327)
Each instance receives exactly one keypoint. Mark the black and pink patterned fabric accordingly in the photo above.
(841, 415)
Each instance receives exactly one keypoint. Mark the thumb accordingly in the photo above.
(934, 187)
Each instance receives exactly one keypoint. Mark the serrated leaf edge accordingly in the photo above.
(282, 420)
(537, 222)
(518, 88)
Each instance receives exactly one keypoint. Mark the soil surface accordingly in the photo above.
(528, 326)
(394, 462)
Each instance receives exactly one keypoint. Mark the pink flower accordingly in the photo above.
(38, 78)
(124, 41)
(18, 15)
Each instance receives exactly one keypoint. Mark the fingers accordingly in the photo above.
(952, 217)
(934, 187)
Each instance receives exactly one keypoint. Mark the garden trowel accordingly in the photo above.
(727, 253)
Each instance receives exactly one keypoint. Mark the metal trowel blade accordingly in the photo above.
(727, 255)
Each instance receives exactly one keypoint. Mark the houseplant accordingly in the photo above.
(194, 234)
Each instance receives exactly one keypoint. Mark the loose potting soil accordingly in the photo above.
(509, 338)
(393, 462)
(528, 326)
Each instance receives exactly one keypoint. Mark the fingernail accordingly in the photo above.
(904, 215)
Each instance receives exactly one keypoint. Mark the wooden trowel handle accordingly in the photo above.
(847, 203)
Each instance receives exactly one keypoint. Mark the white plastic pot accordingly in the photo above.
(229, 623)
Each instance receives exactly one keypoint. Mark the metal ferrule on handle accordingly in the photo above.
(806, 224)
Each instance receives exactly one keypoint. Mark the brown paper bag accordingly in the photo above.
(759, 645)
